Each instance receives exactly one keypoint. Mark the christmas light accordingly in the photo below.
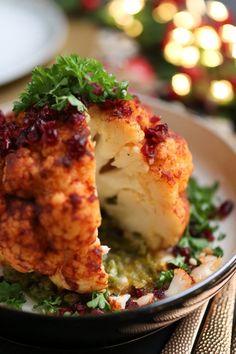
(182, 36)
(135, 29)
(233, 50)
(164, 12)
(132, 7)
(190, 56)
(181, 84)
(207, 38)
(228, 33)
(211, 58)
(217, 11)
(184, 19)
(117, 12)
(221, 91)
(172, 53)
(196, 8)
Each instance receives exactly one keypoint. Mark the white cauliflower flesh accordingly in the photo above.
(141, 177)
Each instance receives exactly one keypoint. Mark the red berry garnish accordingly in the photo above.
(131, 304)
(225, 209)
(159, 293)
(208, 235)
(76, 146)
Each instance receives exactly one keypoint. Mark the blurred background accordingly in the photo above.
(180, 51)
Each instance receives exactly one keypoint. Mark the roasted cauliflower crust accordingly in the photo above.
(146, 196)
(49, 212)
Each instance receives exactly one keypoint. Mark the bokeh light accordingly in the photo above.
(233, 50)
(228, 33)
(182, 36)
(217, 11)
(134, 29)
(184, 19)
(132, 7)
(221, 91)
(173, 52)
(164, 12)
(211, 58)
(207, 38)
(181, 84)
(190, 56)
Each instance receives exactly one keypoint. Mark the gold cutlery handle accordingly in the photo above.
(183, 338)
(216, 334)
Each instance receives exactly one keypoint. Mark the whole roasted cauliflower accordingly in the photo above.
(75, 142)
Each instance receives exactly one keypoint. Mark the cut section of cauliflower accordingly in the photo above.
(142, 171)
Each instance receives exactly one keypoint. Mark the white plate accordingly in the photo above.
(31, 32)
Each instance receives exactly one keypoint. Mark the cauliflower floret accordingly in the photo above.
(180, 282)
(146, 195)
(208, 265)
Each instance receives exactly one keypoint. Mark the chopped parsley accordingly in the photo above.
(71, 80)
(49, 306)
(202, 225)
(11, 295)
(218, 252)
(179, 262)
(165, 278)
(99, 301)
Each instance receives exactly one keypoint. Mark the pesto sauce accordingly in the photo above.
(128, 263)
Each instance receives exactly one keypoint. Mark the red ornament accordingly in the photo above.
(140, 67)
(90, 5)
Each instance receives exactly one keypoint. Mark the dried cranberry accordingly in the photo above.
(33, 135)
(76, 118)
(208, 235)
(75, 200)
(80, 308)
(159, 293)
(157, 134)
(2, 118)
(76, 146)
(47, 113)
(97, 89)
(131, 304)
(139, 292)
(50, 133)
(183, 251)
(5, 144)
(225, 209)
(155, 119)
(63, 310)
(148, 150)
(154, 136)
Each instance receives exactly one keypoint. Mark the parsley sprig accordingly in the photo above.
(71, 80)
(49, 306)
(11, 295)
(202, 207)
(165, 278)
(99, 301)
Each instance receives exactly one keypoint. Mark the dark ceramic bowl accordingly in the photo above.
(213, 160)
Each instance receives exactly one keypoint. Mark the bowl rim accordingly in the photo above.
(164, 304)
